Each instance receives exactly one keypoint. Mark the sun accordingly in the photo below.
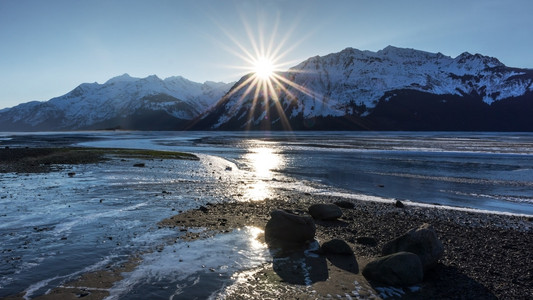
(266, 87)
(263, 68)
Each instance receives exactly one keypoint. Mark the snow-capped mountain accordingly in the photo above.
(124, 102)
(391, 89)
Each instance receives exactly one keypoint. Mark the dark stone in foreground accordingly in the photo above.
(345, 204)
(399, 204)
(325, 211)
(421, 241)
(398, 269)
(336, 246)
(287, 229)
(367, 240)
(481, 262)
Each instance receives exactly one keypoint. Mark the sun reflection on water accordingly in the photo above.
(253, 239)
(263, 161)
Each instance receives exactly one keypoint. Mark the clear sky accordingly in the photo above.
(49, 47)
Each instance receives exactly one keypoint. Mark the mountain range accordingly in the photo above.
(122, 102)
(391, 89)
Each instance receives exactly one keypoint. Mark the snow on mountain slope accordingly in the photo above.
(353, 82)
(391, 89)
(118, 98)
(364, 77)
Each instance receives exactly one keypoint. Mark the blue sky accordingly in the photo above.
(49, 47)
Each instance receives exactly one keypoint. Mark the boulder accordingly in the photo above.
(421, 241)
(345, 204)
(287, 229)
(325, 211)
(336, 246)
(367, 240)
(398, 269)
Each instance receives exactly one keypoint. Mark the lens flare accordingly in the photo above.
(263, 68)
(264, 85)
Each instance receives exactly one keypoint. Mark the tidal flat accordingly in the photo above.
(131, 225)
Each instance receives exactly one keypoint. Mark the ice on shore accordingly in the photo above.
(177, 268)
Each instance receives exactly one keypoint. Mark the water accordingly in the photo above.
(54, 227)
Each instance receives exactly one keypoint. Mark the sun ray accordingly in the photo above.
(252, 109)
(267, 89)
(284, 121)
(250, 34)
(295, 85)
(240, 86)
(282, 86)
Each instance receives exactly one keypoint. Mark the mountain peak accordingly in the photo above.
(152, 77)
(174, 78)
(391, 48)
(487, 61)
(392, 51)
(121, 78)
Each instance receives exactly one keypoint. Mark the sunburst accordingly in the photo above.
(263, 68)
(264, 63)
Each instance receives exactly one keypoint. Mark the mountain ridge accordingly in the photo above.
(352, 89)
(117, 103)
(389, 89)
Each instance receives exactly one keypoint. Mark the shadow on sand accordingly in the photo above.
(443, 282)
(306, 266)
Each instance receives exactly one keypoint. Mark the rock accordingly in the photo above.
(71, 174)
(82, 294)
(336, 246)
(367, 240)
(325, 211)
(398, 269)
(345, 204)
(288, 229)
(421, 241)
(399, 204)
(139, 165)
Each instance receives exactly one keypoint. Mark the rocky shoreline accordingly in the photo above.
(486, 256)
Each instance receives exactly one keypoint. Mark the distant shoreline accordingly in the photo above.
(46, 159)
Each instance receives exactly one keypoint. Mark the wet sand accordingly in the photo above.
(487, 256)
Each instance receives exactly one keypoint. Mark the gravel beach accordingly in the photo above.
(486, 256)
